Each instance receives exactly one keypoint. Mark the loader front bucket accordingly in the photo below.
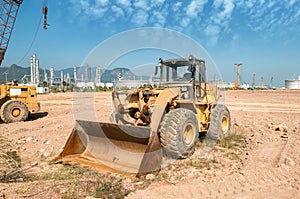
(109, 147)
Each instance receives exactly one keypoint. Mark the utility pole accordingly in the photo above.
(237, 79)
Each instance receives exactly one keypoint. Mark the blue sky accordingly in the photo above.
(264, 35)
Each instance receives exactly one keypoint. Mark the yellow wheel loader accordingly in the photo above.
(153, 122)
(17, 102)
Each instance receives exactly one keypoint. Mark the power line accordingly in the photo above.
(32, 42)
(37, 30)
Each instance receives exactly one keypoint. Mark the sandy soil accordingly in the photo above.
(268, 167)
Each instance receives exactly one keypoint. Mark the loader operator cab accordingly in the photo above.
(187, 73)
(181, 70)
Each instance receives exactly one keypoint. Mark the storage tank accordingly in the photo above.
(292, 84)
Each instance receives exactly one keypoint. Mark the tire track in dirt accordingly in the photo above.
(262, 176)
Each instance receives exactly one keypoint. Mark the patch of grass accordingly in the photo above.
(199, 163)
(110, 188)
(63, 173)
(233, 140)
(74, 182)
(10, 161)
(232, 156)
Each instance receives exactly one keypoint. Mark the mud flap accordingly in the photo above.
(109, 147)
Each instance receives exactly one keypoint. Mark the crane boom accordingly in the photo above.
(9, 10)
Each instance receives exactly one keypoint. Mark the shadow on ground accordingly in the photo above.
(32, 117)
(36, 116)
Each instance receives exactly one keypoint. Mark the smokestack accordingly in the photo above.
(86, 73)
(45, 75)
(75, 74)
(119, 76)
(37, 71)
(61, 77)
(31, 69)
(51, 76)
(98, 74)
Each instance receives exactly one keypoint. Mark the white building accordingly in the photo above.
(292, 84)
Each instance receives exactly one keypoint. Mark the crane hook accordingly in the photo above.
(45, 12)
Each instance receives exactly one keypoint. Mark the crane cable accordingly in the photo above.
(35, 35)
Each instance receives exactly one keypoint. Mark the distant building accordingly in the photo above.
(90, 85)
(225, 85)
(42, 90)
(292, 84)
(131, 83)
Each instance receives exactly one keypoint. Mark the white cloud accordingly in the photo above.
(125, 3)
(140, 18)
(185, 22)
(97, 12)
(158, 18)
(83, 3)
(118, 11)
(176, 6)
(271, 4)
(291, 2)
(157, 2)
(228, 8)
(269, 16)
(250, 3)
(89, 8)
(194, 16)
(212, 30)
(142, 4)
(217, 3)
(195, 7)
(297, 14)
(261, 2)
(101, 2)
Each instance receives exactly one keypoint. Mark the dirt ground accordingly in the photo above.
(267, 163)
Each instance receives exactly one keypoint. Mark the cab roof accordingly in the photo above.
(178, 62)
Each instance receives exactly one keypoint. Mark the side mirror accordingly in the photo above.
(155, 70)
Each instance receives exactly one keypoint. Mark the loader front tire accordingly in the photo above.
(220, 122)
(179, 133)
(14, 111)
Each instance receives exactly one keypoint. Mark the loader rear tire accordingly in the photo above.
(220, 122)
(14, 111)
(179, 133)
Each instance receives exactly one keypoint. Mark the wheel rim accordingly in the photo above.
(16, 112)
(188, 134)
(225, 124)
